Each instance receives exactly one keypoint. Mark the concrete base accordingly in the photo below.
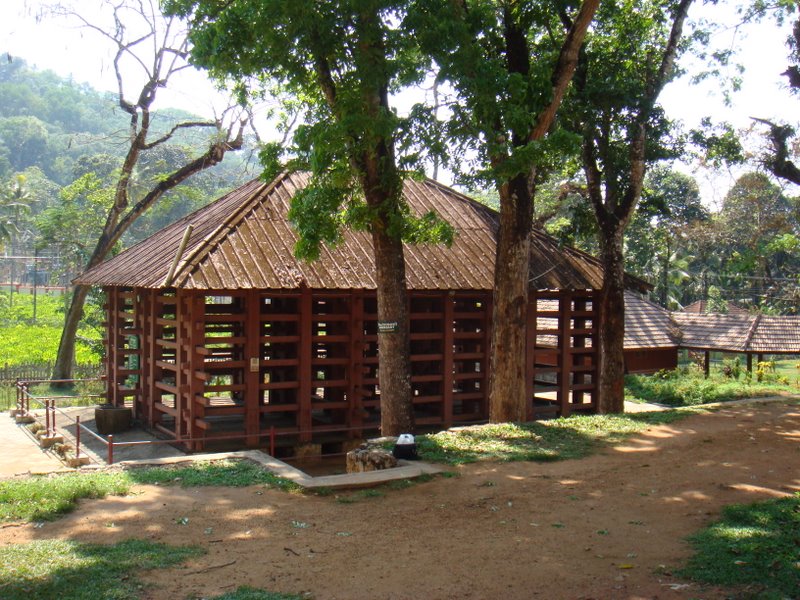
(404, 470)
(22, 419)
(13, 412)
(48, 440)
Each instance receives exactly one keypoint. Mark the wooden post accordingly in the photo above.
(252, 374)
(487, 349)
(152, 330)
(112, 358)
(196, 333)
(181, 359)
(579, 341)
(77, 437)
(530, 351)
(355, 393)
(706, 363)
(749, 362)
(304, 367)
(447, 358)
(565, 353)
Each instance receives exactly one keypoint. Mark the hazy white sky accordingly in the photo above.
(68, 50)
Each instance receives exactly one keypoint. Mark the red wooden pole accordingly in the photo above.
(77, 436)
(272, 441)
(47, 417)
(110, 449)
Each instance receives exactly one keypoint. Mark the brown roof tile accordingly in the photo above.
(647, 325)
(244, 240)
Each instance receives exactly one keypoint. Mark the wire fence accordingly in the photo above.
(10, 374)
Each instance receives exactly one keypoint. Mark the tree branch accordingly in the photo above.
(171, 132)
(565, 67)
(214, 155)
(778, 162)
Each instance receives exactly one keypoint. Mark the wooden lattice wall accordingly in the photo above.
(198, 365)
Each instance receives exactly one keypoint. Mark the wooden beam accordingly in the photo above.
(111, 345)
(355, 393)
(530, 351)
(447, 359)
(565, 354)
(252, 373)
(196, 369)
(305, 368)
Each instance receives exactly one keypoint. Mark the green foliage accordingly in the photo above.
(70, 570)
(233, 473)
(557, 439)
(45, 498)
(22, 342)
(499, 63)
(688, 387)
(752, 545)
(716, 304)
(332, 64)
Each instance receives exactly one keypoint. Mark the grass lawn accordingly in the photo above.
(69, 570)
(46, 498)
(755, 546)
(557, 439)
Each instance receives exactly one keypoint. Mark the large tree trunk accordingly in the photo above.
(66, 347)
(393, 346)
(507, 401)
(611, 387)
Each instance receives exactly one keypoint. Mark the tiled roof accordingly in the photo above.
(647, 325)
(701, 307)
(244, 240)
(739, 333)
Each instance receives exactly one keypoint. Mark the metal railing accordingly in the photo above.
(49, 403)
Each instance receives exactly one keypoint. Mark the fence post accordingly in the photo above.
(77, 436)
(47, 417)
(272, 440)
(111, 449)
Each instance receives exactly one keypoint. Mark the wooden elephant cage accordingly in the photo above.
(210, 368)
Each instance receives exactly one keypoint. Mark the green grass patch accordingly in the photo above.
(558, 439)
(231, 473)
(45, 498)
(688, 387)
(248, 593)
(69, 570)
(755, 546)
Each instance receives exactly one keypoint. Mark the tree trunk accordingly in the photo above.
(507, 401)
(66, 347)
(397, 415)
(611, 387)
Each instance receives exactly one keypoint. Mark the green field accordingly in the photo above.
(25, 340)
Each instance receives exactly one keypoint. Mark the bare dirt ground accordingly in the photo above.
(610, 526)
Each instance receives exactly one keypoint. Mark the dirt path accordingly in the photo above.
(611, 526)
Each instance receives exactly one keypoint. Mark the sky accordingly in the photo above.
(62, 46)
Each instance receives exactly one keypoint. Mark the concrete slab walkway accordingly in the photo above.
(20, 453)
